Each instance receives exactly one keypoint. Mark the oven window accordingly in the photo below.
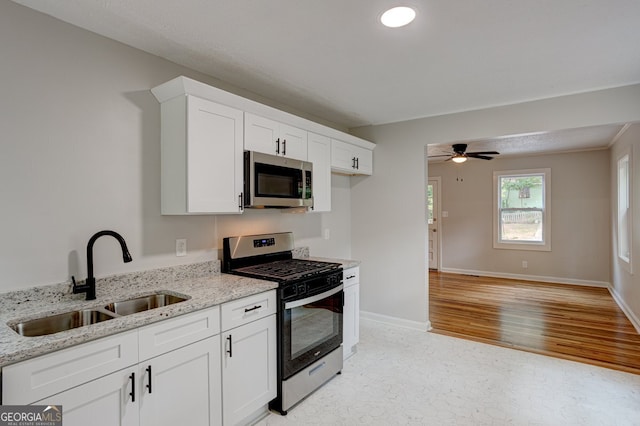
(311, 325)
(275, 181)
(309, 331)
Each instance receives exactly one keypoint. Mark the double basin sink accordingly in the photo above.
(74, 319)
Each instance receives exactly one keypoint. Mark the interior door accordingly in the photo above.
(433, 209)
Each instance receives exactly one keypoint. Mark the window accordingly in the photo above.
(624, 210)
(522, 216)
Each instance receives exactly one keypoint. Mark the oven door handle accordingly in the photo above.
(296, 303)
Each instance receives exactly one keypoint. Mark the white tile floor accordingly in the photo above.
(402, 376)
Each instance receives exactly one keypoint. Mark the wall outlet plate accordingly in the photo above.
(181, 247)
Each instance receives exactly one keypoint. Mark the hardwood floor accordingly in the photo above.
(573, 322)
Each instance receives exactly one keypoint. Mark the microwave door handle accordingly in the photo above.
(307, 300)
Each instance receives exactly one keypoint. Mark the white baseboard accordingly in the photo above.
(625, 308)
(523, 277)
(400, 322)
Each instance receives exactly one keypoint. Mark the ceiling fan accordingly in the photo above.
(460, 155)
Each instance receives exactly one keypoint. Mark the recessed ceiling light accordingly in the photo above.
(398, 16)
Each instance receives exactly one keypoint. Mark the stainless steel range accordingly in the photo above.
(310, 307)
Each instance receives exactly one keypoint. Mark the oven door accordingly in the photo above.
(311, 328)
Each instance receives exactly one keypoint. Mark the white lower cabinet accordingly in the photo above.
(173, 372)
(182, 386)
(351, 313)
(102, 402)
(249, 358)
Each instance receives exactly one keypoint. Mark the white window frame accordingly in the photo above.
(624, 210)
(545, 244)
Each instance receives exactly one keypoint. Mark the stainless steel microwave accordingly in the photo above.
(271, 181)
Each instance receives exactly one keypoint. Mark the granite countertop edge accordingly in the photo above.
(202, 283)
(203, 292)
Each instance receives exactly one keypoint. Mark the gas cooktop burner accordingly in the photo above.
(289, 270)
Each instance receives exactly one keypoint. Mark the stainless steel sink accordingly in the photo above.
(74, 319)
(61, 322)
(144, 303)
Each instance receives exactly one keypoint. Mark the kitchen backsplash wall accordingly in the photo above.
(80, 152)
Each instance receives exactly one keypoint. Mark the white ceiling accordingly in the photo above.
(581, 139)
(333, 60)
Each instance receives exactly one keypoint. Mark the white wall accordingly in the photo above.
(389, 208)
(580, 206)
(626, 286)
(80, 153)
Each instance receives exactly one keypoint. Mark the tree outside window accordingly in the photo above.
(521, 209)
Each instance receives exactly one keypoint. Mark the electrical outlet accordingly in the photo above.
(181, 247)
(327, 233)
(525, 264)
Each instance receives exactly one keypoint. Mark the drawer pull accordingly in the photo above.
(351, 276)
(132, 394)
(252, 309)
(149, 384)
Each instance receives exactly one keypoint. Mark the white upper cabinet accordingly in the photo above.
(319, 153)
(202, 157)
(351, 159)
(271, 137)
(206, 129)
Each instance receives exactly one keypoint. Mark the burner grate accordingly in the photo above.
(289, 269)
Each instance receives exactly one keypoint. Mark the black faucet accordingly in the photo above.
(89, 286)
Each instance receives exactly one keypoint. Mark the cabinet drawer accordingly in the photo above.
(175, 333)
(38, 378)
(351, 276)
(247, 309)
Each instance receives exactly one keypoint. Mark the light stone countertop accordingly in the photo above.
(346, 263)
(202, 283)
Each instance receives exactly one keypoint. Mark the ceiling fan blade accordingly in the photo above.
(443, 155)
(475, 155)
(484, 152)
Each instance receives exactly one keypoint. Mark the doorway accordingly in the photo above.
(433, 221)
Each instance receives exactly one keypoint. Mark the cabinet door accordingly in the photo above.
(351, 321)
(248, 368)
(214, 157)
(261, 134)
(182, 387)
(364, 161)
(101, 402)
(319, 153)
(293, 142)
(342, 156)
(350, 158)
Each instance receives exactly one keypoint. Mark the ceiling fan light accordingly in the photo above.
(459, 159)
(398, 17)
